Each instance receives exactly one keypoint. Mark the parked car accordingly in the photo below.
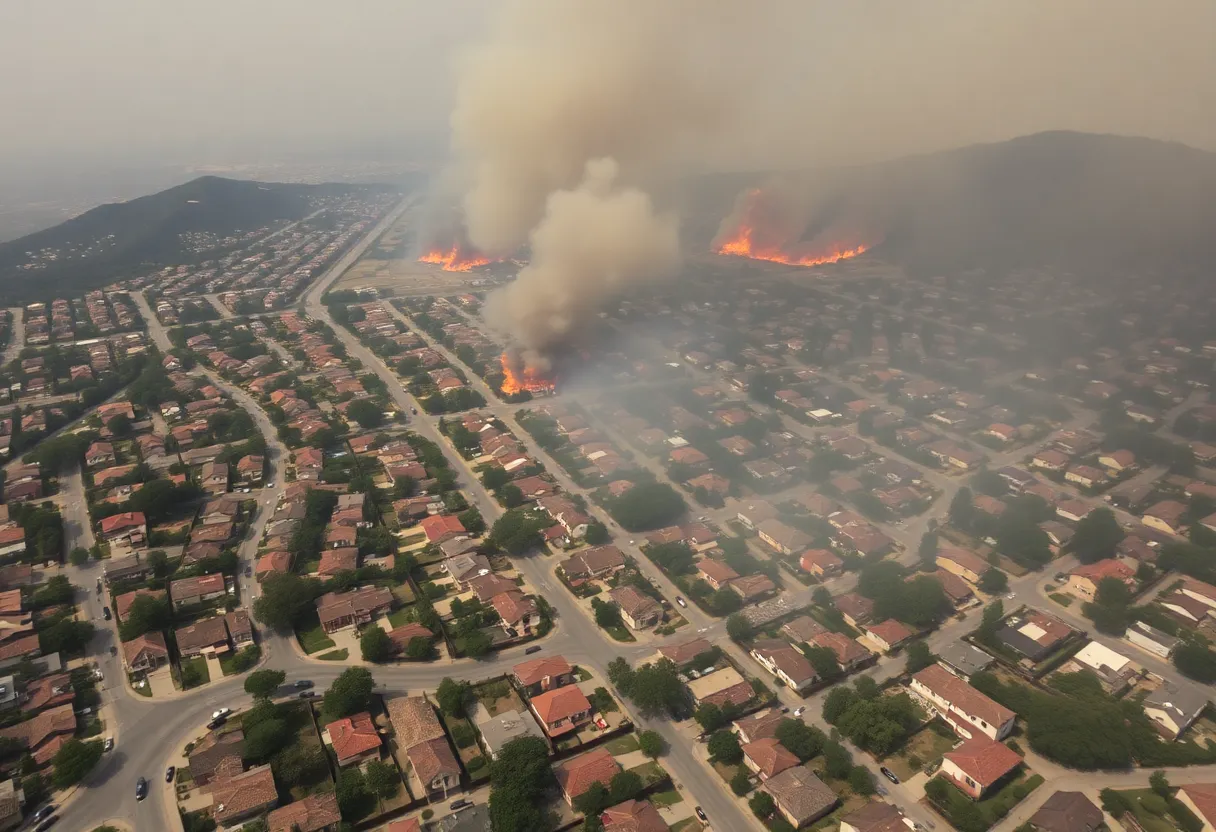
(681, 601)
(109, 745)
(216, 723)
(44, 812)
(303, 684)
(459, 804)
(105, 613)
(248, 571)
(47, 824)
(141, 789)
(800, 710)
(887, 773)
(535, 648)
(169, 772)
(221, 712)
(701, 816)
(308, 694)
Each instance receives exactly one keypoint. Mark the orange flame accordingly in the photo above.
(454, 259)
(532, 380)
(745, 242)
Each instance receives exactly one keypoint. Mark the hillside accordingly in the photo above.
(126, 237)
(1088, 202)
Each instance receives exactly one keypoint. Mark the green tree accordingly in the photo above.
(366, 413)
(927, 551)
(994, 581)
(740, 783)
(597, 533)
(73, 761)
(375, 645)
(452, 696)
(519, 776)
(299, 765)
(383, 779)
(919, 656)
(66, 636)
(655, 689)
(651, 743)
(79, 556)
(261, 684)
(1195, 661)
(648, 506)
(355, 800)
(349, 694)
(762, 805)
(1114, 803)
(861, 781)
(800, 739)
(709, 717)
(607, 615)
(285, 600)
(737, 628)
(266, 738)
(962, 509)
(1096, 536)
(1160, 784)
(823, 659)
(472, 521)
(994, 613)
(723, 747)
(146, 614)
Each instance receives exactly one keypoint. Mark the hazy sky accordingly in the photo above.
(205, 81)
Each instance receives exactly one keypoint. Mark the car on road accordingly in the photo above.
(887, 773)
(535, 648)
(44, 812)
(216, 723)
(109, 746)
(47, 824)
(105, 613)
(141, 789)
(169, 772)
(303, 684)
(701, 816)
(459, 804)
(221, 712)
(113, 650)
(308, 694)
(681, 601)
(248, 571)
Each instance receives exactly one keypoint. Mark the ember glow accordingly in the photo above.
(454, 259)
(750, 238)
(531, 380)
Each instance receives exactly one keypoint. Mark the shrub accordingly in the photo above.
(1154, 804)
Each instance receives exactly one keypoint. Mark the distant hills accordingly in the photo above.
(1087, 202)
(147, 232)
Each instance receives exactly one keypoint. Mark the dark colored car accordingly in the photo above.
(141, 789)
(105, 613)
(303, 684)
(308, 694)
(216, 723)
(887, 773)
(533, 649)
(47, 824)
(44, 812)
(459, 804)
(169, 772)
(248, 571)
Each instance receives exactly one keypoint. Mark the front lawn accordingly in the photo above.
(922, 748)
(620, 632)
(1061, 598)
(651, 773)
(976, 816)
(195, 671)
(334, 655)
(668, 797)
(312, 637)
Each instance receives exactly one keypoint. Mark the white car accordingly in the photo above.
(109, 746)
(799, 711)
(221, 712)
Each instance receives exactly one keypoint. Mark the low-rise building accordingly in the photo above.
(314, 813)
(1068, 812)
(356, 607)
(576, 775)
(638, 610)
(197, 590)
(561, 710)
(978, 764)
(507, 726)
(1174, 707)
(969, 712)
(786, 662)
(243, 795)
(1084, 579)
(801, 797)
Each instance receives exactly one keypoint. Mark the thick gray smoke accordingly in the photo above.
(591, 244)
(665, 88)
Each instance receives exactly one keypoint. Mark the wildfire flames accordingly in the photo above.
(454, 259)
(531, 380)
(748, 240)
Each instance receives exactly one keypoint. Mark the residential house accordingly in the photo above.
(874, 817)
(720, 687)
(686, 652)
(561, 710)
(1151, 639)
(638, 610)
(544, 674)
(1085, 476)
(214, 751)
(758, 726)
(768, 757)
(576, 775)
(715, 573)
(314, 813)
(633, 816)
(99, 453)
(356, 607)
(507, 726)
(978, 764)
(129, 525)
(753, 587)
(243, 795)
(441, 527)
(44, 734)
(465, 567)
(889, 634)
(803, 628)
(963, 659)
(783, 538)
(214, 477)
(786, 662)
(801, 797)
(822, 563)
(592, 563)
(967, 565)
(849, 654)
(1034, 634)
(1200, 798)
(516, 612)
(1084, 579)
(1068, 812)
(426, 747)
(1166, 516)
(199, 589)
(208, 637)
(354, 739)
(145, 653)
(967, 711)
(1174, 707)
(855, 609)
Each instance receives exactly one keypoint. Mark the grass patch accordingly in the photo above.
(1061, 598)
(688, 825)
(651, 773)
(199, 666)
(311, 637)
(623, 744)
(667, 797)
(922, 748)
(146, 690)
(1148, 820)
(334, 655)
(620, 633)
(399, 617)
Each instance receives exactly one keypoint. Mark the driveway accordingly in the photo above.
(161, 683)
(213, 668)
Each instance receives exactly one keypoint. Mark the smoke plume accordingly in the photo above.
(591, 245)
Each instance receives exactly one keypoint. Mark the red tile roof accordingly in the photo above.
(577, 774)
(353, 736)
(558, 704)
(983, 760)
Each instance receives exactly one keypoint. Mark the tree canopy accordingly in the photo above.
(350, 693)
(1096, 536)
(519, 776)
(262, 684)
(648, 506)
